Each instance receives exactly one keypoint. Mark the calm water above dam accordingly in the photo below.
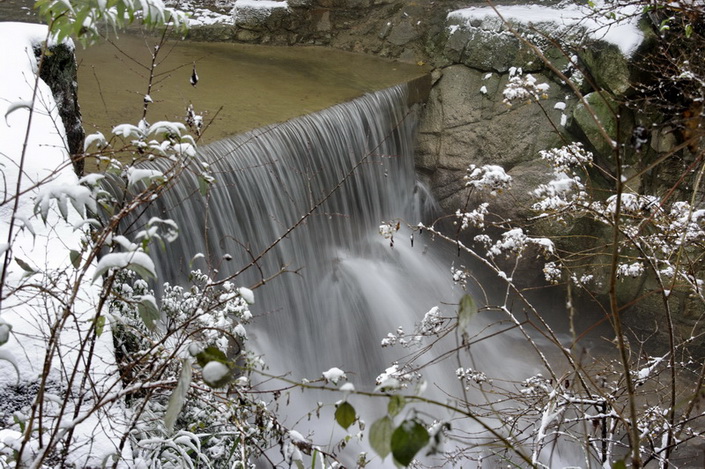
(240, 87)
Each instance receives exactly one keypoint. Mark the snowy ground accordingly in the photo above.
(40, 251)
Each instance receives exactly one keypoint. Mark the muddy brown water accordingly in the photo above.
(240, 87)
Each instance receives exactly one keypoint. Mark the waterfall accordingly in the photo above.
(346, 286)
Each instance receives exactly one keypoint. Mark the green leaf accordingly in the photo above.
(148, 311)
(381, 436)
(407, 440)
(99, 325)
(75, 258)
(619, 465)
(396, 404)
(211, 354)
(26, 267)
(19, 421)
(203, 186)
(178, 397)
(345, 414)
(466, 311)
(688, 30)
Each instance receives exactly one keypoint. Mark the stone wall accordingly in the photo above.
(387, 28)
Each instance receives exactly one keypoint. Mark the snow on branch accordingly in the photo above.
(489, 177)
(523, 87)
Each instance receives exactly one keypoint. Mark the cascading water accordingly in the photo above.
(334, 176)
(349, 287)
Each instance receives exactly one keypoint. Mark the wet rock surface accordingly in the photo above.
(59, 72)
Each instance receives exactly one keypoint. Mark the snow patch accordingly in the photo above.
(334, 375)
(46, 244)
(624, 33)
(255, 10)
(247, 295)
(214, 372)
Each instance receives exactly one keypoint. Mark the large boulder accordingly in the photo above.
(487, 45)
(466, 121)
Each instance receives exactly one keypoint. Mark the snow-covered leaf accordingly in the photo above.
(389, 379)
(81, 199)
(128, 131)
(95, 140)
(247, 295)
(166, 129)
(5, 330)
(210, 354)
(184, 149)
(195, 258)
(148, 311)
(178, 397)
(7, 356)
(26, 224)
(216, 374)
(91, 179)
(334, 375)
(135, 175)
(217, 369)
(137, 261)
(204, 184)
(17, 105)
